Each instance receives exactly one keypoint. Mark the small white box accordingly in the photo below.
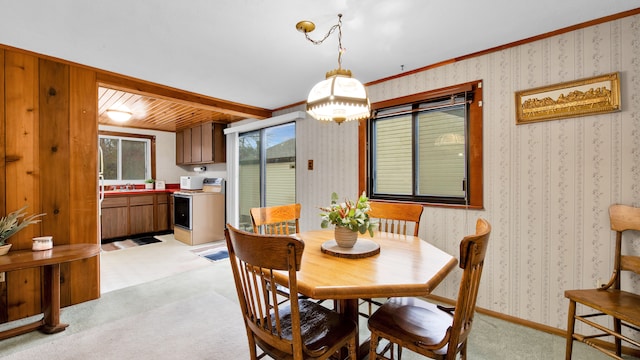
(42, 243)
(160, 185)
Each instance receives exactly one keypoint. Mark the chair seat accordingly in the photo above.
(321, 329)
(412, 320)
(619, 304)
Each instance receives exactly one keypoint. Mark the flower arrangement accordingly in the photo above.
(11, 224)
(349, 214)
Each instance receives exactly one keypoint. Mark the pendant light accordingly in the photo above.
(339, 97)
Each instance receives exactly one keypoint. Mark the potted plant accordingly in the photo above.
(11, 224)
(349, 217)
(148, 184)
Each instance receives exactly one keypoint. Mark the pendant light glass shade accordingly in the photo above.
(338, 98)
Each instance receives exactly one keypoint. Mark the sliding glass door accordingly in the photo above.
(267, 174)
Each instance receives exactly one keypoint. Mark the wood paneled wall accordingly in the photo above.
(48, 144)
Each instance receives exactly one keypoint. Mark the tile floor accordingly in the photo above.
(137, 265)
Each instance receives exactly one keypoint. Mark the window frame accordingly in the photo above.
(474, 153)
(129, 136)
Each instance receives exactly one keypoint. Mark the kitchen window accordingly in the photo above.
(427, 148)
(127, 158)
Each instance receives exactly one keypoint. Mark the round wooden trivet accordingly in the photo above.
(362, 249)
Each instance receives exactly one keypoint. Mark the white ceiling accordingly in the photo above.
(249, 52)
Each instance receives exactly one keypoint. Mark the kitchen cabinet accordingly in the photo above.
(141, 214)
(115, 217)
(202, 144)
(180, 147)
(206, 145)
(213, 143)
(196, 144)
(133, 214)
(171, 222)
(162, 212)
(186, 146)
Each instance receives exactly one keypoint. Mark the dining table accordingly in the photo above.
(389, 265)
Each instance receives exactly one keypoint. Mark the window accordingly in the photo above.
(126, 158)
(427, 148)
(267, 173)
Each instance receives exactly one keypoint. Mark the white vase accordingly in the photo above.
(345, 237)
(148, 186)
(4, 249)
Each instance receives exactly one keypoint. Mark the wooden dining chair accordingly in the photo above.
(432, 330)
(610, 300)
(394, 217)
(276, 220)
(297, 329)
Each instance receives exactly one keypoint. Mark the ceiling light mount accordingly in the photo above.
(339, 97)
(305, 26)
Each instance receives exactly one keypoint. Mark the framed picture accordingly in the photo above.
(159, 184)
(596, 95)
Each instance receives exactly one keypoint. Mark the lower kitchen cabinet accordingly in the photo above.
(132, 214)
(171, 214)
(141, 214)
(115, 217)
(163, 218)
(117, 224)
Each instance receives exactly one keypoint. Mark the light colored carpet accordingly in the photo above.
(160, 333)
(184, 316)
(193, 314)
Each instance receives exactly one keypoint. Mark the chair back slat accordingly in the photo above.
(630, 263)
(473, 249)
(394, 217)
(624, 217)
(276, 220)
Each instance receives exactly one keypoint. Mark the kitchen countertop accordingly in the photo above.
(138, 192)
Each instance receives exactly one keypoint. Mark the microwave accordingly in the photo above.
(191, 182)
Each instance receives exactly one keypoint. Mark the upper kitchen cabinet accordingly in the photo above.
(201, 144)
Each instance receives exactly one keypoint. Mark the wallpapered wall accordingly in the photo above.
(547, 185)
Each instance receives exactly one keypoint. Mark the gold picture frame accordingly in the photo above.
(595, 95)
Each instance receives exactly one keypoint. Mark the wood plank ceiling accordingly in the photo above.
(153, 113)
